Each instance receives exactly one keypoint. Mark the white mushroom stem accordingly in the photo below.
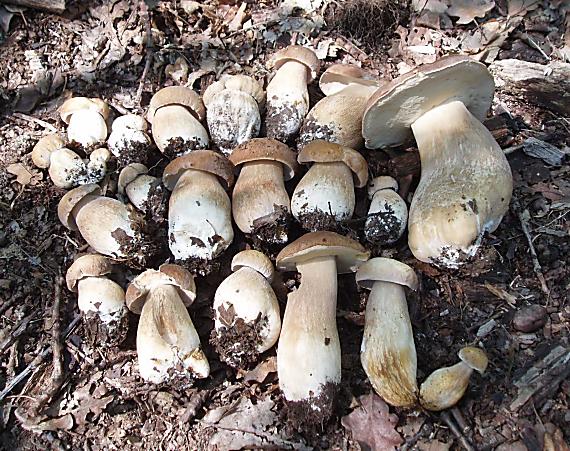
(101, 295)
(167, 338)
(176, 122)
(387, 217)
(87, 127)
(388, 353)
(66, 168)
(309, 356)
(258, 191)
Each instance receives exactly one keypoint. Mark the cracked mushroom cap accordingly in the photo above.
(382, 269)
(254, 260)
(199, 160)
(44, 147)
(89, 265)
(339, 76)
(128, 174)
(76, 104)
(167, 274)
(268, 149)
(177, 95)
(73, 199)
(394, 107)
(320, 151)
(349, 253)
(300, 54)
(243, 83)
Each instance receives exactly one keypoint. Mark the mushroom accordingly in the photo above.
(176, 113)
(325, 194)
(65, 168)
(138, 186)
(86, 120)
(308, 353)
(388, 352)
(106, 224)
(387, 214)
(259, 200)
(445, 387)
(128, 140)
(287, 95)
(466, 182)
(167, 342)
(199, 211)
(338, 117)
(246, 311)
(232, 105)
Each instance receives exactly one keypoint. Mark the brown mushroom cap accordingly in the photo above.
(177, 95)
(320, 151)
(397, 105)
(300, 54)
(338, 76)
(43, 149)
(167, 274)
(243, 83)
(70, 200)
(266, 149)
(200, 160)
(254, 260)
(128, 174)
(89, 265)
(349, 253)
(474, 358)
(75, 104)
(381, 269)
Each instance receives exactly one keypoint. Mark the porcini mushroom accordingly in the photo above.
(388, 352)
(259, 199)
(308, 353)
(326, 193)
(176, 114)
(138, 186)
(86, 120)
(106, 224)
(167, 342)
(232, 110)
(446, 386)
(199, 212)
(287, 95)
(387, 214)
(246, 311)
(338, 117)
(128, 140)
(466, 182)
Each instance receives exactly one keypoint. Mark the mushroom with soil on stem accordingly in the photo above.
(86, 120)
(466, 182)
(446, 386)
(338, 117)
(167, 342)
(108, 225)
(259, 198)
(232, 110)
(141, 188)
(308, 353)
(199, 211)
(287, 95)
(176, 114)
(387, 214)
(325, 195)
(128, 140)
(388, 352)
(246, 311)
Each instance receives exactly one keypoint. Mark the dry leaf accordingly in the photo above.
(24, 176)
(467, 10)
(372, 424)
(261, 371)
(433, 445)
(521, 7)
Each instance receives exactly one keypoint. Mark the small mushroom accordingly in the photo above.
(199, 211)
(338, 117)
(232, 105)
(246, 311)
(128, 140)
(388, 352)
(287, 95)
(138, 186)
(466, 182)
(308, 353)
(176, 114)
(106, 224)
(86, 120)
(445, 387)
(387, 214)
(167, 342)
(259, 198)
(325, 194)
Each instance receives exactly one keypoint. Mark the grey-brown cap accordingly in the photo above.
(300, 54)
(266, 149)
(339, 76)
(392, 109)
(71, 199)
(75, 104)
(128, 174)
(200, 160)
(254, 260)
(177, 95)
(349, 254)
(88, 265)
(381, 269)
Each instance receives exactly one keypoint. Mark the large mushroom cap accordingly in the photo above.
(89, 265)
(339, 76)
(381, 269)
(243, 83)
(177, 95)
(128, 174)
(70, 200)
(320, 151)
(474, 358)
(200, 160)
(254, 260)
(44, 147)
(300, 54)
(266, 149)
(167, 274)
(397, 105)
(75, 104)
(349, 253)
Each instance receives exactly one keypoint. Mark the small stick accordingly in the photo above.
(27, 118)
(453, 427)
(149, 51)
(460, 420)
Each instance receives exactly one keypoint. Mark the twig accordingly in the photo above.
(453, 427)
(27, 118)
(149, 51)
(17, 332)
(456, 412)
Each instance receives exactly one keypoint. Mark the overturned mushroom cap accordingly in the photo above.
(128, 174)
(299, 54)
(76, 104)
(177, 95)
(254, 260)
(199, 160)
(259, 149)
(243, 83)
(339, 76)
(43, 149)
(89, 265)
(73, 199)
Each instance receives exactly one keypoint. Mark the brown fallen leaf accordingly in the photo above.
(24, 176)
(261, 371)
(467, 10)
(372, 424)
